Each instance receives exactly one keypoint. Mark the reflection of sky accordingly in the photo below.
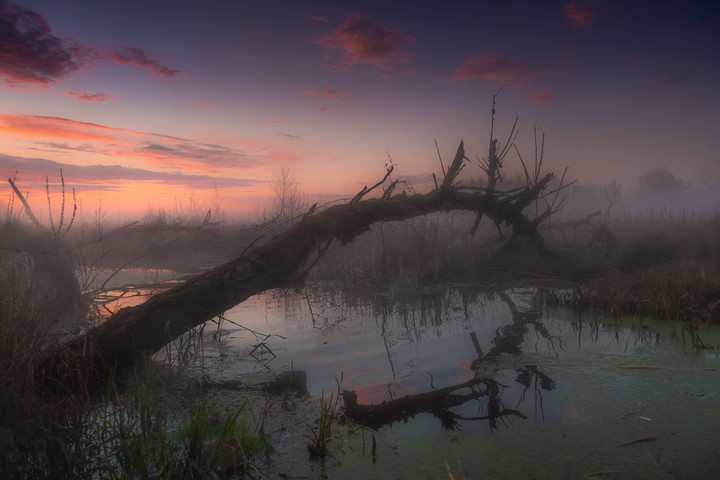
(415, 354)
(180, 98)
(599, 367)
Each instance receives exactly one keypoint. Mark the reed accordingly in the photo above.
(321, 434)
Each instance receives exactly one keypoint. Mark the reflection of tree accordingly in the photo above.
(508, 339)
(437, 402)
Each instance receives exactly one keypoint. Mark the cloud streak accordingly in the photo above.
(140, 59)
(89, 97)
(56, 135)
(357, 40)
(32, 54)
(34, 171)
(500, 70)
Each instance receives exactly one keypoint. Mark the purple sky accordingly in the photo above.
(143, 103)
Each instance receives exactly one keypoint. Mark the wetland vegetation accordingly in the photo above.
(576, 342)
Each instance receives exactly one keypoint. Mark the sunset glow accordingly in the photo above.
(151, 105)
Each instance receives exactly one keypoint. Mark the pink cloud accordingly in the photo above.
(156, 150)
(496, 69)
(205, 105)
(544, 97)
(33, 54)
(89, 97)
(580, 14)
(360, 41)
(276, 122)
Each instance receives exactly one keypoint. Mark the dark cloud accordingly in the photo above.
(31, 54)
(360, 41)
(288, 135)
(140, 59)
(34, 170)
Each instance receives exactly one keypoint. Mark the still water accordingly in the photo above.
(531, 391)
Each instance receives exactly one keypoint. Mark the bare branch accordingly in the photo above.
(442, 167)
(367, 190)
(455, 167)
(26, 205)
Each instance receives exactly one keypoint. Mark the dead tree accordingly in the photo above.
(284, 261)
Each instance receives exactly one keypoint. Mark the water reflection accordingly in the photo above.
(466, 356)
(486, 391)
(460, 354)
(559, 386)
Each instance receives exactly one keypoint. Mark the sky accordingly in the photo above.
(176, 104)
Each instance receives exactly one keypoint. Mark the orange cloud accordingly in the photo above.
(61, 134)
(579, 14)
(360, 41)
(494, 68)
(55, 128)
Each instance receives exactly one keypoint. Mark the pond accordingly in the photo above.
(487, 384)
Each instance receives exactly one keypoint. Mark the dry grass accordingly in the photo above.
(30, 424)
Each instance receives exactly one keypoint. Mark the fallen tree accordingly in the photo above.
(284, 261)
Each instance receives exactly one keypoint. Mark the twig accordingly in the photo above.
(26, 205)
(367, 190)
(455, 167)
(601, 472)
(636, 441)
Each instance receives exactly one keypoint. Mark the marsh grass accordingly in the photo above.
(151, 434)
(153, 428)
(321, 433)
(687, 293)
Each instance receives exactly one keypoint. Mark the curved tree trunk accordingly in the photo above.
(282, 262)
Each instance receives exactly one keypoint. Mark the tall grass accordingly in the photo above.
(54, 429)
(150, 434)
